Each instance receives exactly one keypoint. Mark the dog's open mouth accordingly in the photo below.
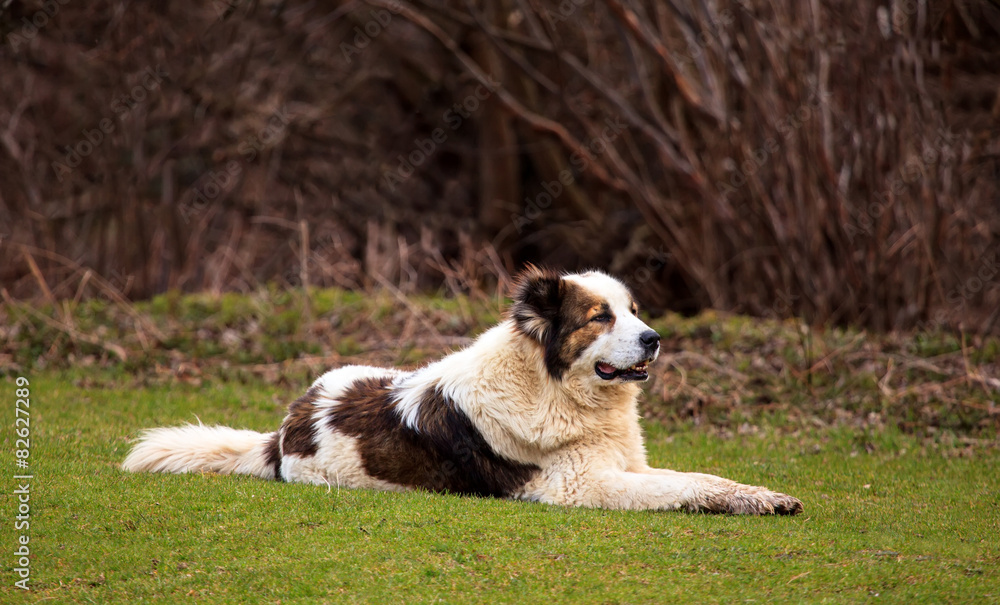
(606, 371)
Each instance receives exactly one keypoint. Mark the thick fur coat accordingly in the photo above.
(541, 407)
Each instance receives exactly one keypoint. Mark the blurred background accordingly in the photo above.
(836, 161)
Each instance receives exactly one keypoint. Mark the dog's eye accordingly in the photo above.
(601, 318)
(635, 311)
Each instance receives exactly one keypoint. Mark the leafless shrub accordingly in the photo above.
(840, 156)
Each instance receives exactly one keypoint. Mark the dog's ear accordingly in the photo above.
(537, 299)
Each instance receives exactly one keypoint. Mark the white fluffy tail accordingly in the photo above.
(198, 448)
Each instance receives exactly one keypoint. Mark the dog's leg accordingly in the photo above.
(712, 494)
(659, 489)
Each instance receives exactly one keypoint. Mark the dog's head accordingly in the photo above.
(588, 325)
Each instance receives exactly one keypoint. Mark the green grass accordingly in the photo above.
(889, 517)
(890, 440)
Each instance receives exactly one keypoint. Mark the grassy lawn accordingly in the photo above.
(889, 440)
(888, 519)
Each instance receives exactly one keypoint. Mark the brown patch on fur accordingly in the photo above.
(447, 454)
(298, 431)
(574, 329)
(537, 299)
(557, 314)
(273, 454)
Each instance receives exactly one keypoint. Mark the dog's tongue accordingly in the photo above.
(607, 368)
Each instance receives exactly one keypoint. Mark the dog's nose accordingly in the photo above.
(649, 339)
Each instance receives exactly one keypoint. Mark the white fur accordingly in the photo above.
(450, 374)
(199, 448)
(333, 384)
(336, 464)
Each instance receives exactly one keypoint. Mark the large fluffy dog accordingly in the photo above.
(541, 407)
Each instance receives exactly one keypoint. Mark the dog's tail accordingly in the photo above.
(197, 448)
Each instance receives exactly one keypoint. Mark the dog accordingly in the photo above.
(541, 407)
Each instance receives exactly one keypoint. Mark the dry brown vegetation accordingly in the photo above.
(832, 160)
(729, 373)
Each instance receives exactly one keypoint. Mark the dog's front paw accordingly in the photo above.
(783, 504)
(750, 500)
